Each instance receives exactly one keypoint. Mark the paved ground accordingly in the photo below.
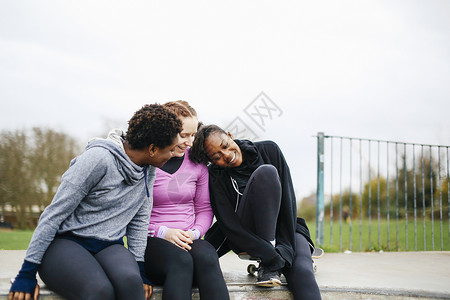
(388, 275)
(413, 274)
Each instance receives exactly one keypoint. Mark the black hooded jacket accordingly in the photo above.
(228, 233)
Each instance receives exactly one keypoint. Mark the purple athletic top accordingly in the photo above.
(181, 200)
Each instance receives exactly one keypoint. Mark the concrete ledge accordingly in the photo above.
(389, 275)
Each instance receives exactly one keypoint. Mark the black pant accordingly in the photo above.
(258, 212)
(300, 276)
(260, 203)
(177, 269)
(73, 272)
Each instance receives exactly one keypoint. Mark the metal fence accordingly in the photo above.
(382, 194)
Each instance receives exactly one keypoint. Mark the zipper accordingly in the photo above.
(236, 188)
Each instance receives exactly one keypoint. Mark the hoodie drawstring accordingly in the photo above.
(145, 179)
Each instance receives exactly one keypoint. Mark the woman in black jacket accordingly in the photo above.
(253, 199)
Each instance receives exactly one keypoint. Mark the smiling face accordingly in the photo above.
(223, 151)
(186, 137)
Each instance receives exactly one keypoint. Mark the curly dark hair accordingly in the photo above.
(197, 153)
(152, 124)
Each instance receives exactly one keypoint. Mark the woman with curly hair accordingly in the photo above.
(176, 256)
(253, 199)
(77, 246)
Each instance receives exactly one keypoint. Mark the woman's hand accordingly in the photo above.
(148, 291)
(24, 296)
(191, 235)
(180, 238)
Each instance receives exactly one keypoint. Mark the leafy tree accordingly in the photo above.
(340, 205)
(15, 176)
(50, 155)
(375, 192)
(30, 169)
(426, 185)
(441, 194)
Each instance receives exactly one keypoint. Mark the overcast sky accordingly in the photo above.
(373, 69)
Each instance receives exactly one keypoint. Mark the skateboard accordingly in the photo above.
(252, 268)
(317, 253)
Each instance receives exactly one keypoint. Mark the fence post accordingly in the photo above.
(320, 202)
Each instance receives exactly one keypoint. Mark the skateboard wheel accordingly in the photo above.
(251, 269)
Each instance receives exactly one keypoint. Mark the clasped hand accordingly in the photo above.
(180, 238)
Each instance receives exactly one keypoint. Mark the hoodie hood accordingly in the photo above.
(251, 159)
(130, 171)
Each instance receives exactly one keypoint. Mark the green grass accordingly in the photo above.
(334, 245)
(19, 240)
(15, 239)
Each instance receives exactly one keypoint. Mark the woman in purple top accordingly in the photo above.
(176, 257)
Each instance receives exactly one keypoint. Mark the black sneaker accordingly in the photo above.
(267, 278)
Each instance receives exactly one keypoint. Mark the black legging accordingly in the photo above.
(177, 270)
(74, 273)
(258, 212)
(300, 276)
(260, 203)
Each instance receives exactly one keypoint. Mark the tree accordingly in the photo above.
(50, 155)
(30, 169)
(340, 204)
(15, 176)
(426, 185)
(370, 197)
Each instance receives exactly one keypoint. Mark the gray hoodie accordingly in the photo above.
(103, 195)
